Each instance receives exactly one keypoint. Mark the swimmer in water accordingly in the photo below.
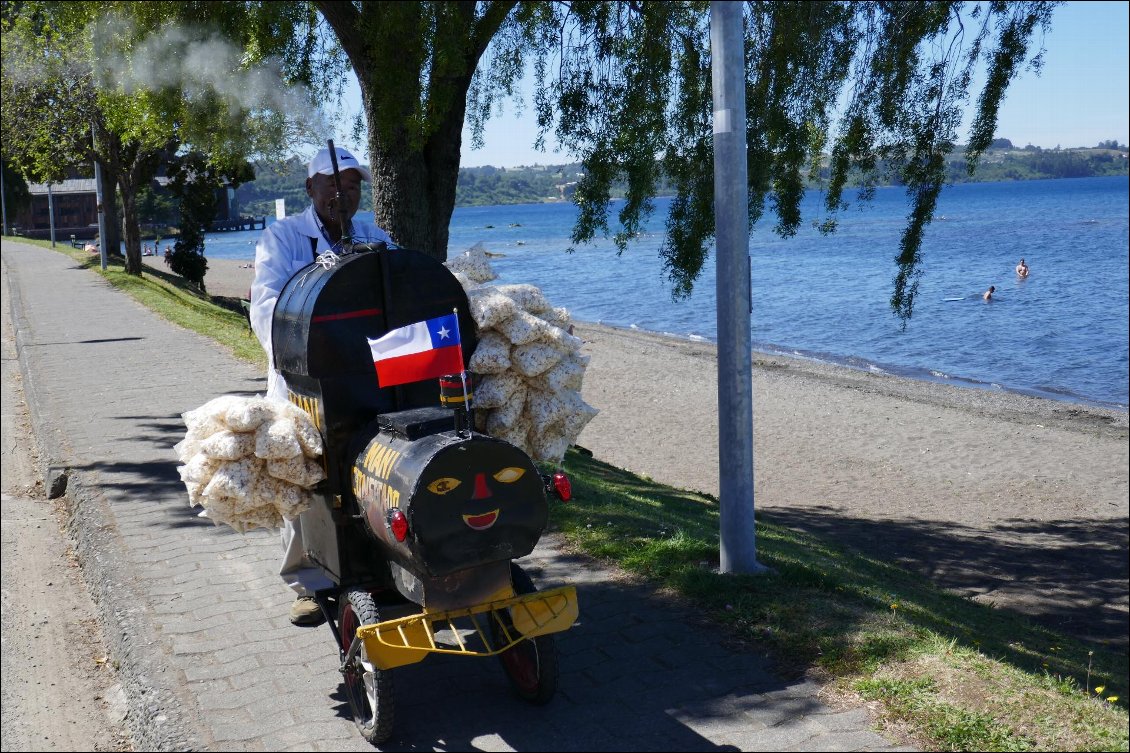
(1021, 269)
(988, 295)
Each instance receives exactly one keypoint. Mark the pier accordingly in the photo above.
(238, 223)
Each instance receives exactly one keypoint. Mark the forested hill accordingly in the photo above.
(484, 186)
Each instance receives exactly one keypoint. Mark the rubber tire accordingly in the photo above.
(531, 665)
(357, 608)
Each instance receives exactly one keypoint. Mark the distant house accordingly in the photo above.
(76, 210)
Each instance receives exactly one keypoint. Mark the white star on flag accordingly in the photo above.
(443, 332)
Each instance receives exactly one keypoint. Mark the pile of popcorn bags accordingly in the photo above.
(530, 368)
(250, 461)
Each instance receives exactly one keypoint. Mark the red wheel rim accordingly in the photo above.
(348, 627)
(522, 665)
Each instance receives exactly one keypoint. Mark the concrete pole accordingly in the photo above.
(98, 198)
(3, 201)
(51, 213)
(738, 544)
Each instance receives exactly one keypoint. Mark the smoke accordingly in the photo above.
(200, 65)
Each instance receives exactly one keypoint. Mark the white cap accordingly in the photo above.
(345, 161)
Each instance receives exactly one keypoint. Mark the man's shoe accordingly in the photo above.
(305, 611)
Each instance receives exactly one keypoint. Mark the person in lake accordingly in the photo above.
(1022, 269)
(988, 294)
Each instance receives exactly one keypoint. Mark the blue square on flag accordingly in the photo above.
(424, 350)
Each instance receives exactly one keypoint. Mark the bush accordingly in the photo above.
(188, 263)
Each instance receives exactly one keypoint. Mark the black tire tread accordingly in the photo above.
(366, 611)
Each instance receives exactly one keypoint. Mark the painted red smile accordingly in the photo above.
(481, 522)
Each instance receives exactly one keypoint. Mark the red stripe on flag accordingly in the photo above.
(345, 315)
(416, 367)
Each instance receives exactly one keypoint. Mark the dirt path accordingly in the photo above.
(58, 690)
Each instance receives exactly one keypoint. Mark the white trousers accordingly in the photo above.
(297, 571)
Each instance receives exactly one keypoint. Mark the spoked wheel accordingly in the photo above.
(531, 665)
(369, 689)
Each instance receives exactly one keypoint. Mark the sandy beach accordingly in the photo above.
(1014, 501)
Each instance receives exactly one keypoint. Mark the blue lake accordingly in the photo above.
(1061, 333)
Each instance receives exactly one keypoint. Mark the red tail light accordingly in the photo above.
(398, 524)
(562, 486)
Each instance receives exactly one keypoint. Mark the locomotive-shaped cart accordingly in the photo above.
(420, 517)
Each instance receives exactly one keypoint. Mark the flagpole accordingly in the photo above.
(463, 374)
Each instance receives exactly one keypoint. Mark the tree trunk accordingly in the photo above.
(417, 188)
(112, 217)
(415, 164)
(130, 222)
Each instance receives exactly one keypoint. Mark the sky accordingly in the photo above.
(1079, 99)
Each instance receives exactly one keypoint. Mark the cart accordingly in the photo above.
(421, 517)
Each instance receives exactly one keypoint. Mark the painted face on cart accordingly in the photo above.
(477, 499)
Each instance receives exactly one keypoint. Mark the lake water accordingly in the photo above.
(1061, 333)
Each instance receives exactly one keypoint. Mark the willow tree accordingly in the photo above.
(871, 91)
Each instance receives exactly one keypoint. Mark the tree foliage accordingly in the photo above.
(157, 79)
(881, 86)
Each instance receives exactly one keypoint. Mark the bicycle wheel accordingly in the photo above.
(369, 689)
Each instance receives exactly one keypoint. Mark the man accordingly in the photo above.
(284, 248)
(1022, 269)
(988, 294)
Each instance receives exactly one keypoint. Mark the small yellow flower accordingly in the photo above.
(894, 606)
(1112, 699)
(1100, 688)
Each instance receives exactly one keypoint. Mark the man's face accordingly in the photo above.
(322, 191)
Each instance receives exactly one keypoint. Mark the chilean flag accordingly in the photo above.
(424, 350)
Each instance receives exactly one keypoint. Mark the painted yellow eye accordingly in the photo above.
(443, 485)
(509, 475)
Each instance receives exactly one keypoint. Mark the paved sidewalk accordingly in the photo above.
(197, 616)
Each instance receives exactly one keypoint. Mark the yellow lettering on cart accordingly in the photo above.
(380, 459)
(390, 497)
(365, 487)
(308, 404)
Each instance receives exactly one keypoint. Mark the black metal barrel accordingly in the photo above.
(322, 322)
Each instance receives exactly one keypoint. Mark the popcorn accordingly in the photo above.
(531, 365)
(533, 359)
(528, 297)
(308, 436)
(199, 469)
(474, 264)
(489, 307)
(507, 415)
(491, 356)
(566, 375)
(246, 415)
(249, 461)
(277, 440)
(298, 470)
(228, 445)
(232, 479)
(523, 328)
(496, 390)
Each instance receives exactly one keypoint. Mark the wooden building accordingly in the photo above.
(76, 211)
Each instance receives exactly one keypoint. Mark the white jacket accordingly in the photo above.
(282, 250)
